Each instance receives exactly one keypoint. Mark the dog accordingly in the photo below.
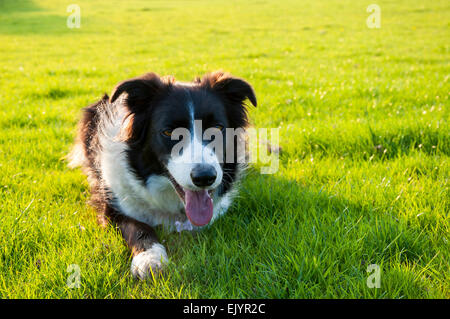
(125, 145)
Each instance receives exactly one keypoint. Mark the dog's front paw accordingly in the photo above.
(151, 260)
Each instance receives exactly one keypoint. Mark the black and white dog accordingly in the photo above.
(126, 144)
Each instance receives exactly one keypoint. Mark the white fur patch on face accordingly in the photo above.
(151, 260)
(194, 152)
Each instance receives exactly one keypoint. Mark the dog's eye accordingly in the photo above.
(167, 133)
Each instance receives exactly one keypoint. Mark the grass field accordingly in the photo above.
(363, 117)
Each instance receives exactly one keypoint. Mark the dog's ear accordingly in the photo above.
(233, 91)
(140, 91)
(236, 90)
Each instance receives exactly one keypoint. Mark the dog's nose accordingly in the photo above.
(203, 175)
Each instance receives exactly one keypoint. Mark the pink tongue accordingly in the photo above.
(199, 207)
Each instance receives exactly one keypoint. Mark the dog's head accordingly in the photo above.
(189, 132)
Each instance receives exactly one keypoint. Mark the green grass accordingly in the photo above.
(363, 117)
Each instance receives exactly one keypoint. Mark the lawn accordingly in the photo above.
(363, 175)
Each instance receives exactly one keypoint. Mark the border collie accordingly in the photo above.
(125, 146)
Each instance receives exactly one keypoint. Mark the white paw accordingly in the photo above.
(151, 260)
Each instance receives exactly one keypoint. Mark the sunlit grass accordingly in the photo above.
(363, 117)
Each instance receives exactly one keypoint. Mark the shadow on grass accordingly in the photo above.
(11, 6)
(26, 17)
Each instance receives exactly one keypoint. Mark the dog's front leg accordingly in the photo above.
(148, 254)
